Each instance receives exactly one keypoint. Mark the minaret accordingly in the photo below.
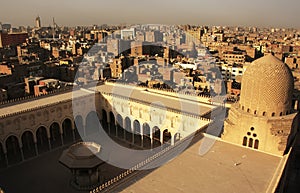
(54, 28)
(38, 22)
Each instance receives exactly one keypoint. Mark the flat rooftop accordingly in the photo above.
(225, 168)
(179, 102)
(170, 100)
(39, 102)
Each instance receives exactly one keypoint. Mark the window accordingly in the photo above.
(264, 114)
(245, 141)
(250, 142)
(273, 114)
(256, 143)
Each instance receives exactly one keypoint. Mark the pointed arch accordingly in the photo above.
(146, 136)
(92, 125)
(79, 127)
(156, 136)
(167, 136)
(2, 156)
(42, 139)
(67, 129)
(137, 132)
(112, 123)
(55, 135)
(28, 145)
(128, 129)
(13, 150)
(120, 129)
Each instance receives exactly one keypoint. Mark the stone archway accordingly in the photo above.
(13, 150)
(112, 124)
(120, 129)
(137, 139)
(42, 140)
(79, 128)
(156, 137)
(104, 121)
(128, 131)
(67, 128)
(28, 145)
(177, 137)
(146, 136)
(55, 135)
(2, 157)
(167, 137)
(92, 125)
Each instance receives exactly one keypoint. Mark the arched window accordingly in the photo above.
(248, 110)
(273, 114)
(250, 142)
(245, 141)
(243, 107)
(280, 113)
(256, 143)
(264, 114)
(255, 112)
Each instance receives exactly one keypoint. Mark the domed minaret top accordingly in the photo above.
(267, 88)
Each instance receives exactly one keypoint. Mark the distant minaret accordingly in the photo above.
(54, 28)
(38, 22)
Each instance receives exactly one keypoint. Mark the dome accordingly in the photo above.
(267, 87)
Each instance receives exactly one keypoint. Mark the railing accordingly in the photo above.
(52, 93)
(160, 89)
(40, 107)
(33, 97)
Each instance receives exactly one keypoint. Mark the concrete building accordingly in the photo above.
(233, 57)
(128, 34)
(231, 71)
(7, 39)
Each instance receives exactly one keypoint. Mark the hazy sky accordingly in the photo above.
(269, 13)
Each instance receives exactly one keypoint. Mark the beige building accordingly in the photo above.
(234, 57)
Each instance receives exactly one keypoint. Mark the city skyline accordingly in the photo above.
(225, 13)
